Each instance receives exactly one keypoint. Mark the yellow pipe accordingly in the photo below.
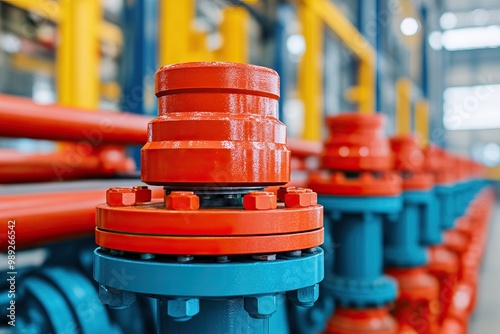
(51, 10)
(176, 18)
(422, 121)
(336, 21)
(403, 106)
(77, 61)
(310, 73)
(234, 31)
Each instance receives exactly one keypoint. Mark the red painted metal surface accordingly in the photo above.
(417, 305)
(23, 118)
(209, 245)
(217, 126)
(361, 321)
(356, 143)
(444, 265)
(17, 167)
(42, 218)
(207, 222)
(410, 160)
(365, 184)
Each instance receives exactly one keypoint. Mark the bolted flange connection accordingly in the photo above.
(304, 297)
(260, 200)
(119, 196)
(182, 200)
(260, 307)
(116, 299)
(216, 144)
(182, 309)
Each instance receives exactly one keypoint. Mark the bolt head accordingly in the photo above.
(120, 196)
(304, 297)
(116, 299)
(260, 200)
(182, 200)
(260, 307)
(300, 198)
(142, 194)
(182, 309)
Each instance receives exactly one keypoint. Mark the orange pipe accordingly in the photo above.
(23, 118)
(41, 218)
(77, 162)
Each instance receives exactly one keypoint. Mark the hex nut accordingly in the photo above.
(116, 299)
(182, 309)
(282, 191)
(260, 200)
(300, 198)
(142, 194)
(304, 297)
(182, 200)
(260, 307)
(120, 196)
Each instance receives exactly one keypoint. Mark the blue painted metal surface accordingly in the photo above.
(444, 193)
(60, 300)
(403, 246)
(243, 296)
(313, 319)
(226, 279)
(357, 278)
(431, 227)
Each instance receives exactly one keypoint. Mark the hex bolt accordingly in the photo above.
(312, 250)
(182, 200)
(264, 257)
(295, 253)
(142, 194)
(300, 198)
(147, 256)
(185, 258)
(183, 309)
(260, 200)
(304, 297)
(120, 196)
(116, 299)
(260, 307)
(222, 259)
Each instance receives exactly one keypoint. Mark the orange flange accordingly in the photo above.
(154, 219)
(211, 245)
(365, 184)
(217, 127)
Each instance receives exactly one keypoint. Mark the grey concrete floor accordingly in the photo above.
(486, 318)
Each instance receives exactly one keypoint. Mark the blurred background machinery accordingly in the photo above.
(391, 118)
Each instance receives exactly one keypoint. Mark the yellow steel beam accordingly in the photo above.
(403, 106)
(51, 10)
(234, 31)
(175, 33)
(310, 73)
(422, 121)
(77, 60)
(336, 21)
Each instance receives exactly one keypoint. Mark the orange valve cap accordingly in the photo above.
(217, 127)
